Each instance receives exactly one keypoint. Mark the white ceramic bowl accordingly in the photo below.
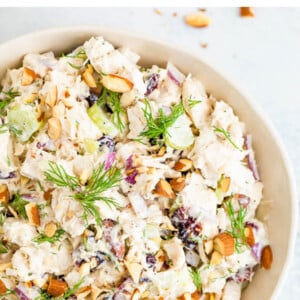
(272, 160)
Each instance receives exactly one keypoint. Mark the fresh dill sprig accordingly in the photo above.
(237, 220)
(100, 181)
(18, 204)
(10, 95)
(159, 127)
(81, 54)
(193, 102)
(42, 238)
(58, 175)
(112, 99)
(196, 277)
(227, 136)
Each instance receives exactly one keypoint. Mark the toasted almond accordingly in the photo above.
(135, 295)
(28, 76)
(134, 269)
(32, 213)
(50, 229)
(58, 110)
(54, 128)
(197, 19)
(56, 287)
(31, 98)
(250, 239)
(196, 295)
(83, 292)
(208, 246)
(247, 12)
(164, 189)
(210, 296)
(89, 78)
(216, 258)
(13, 212)
(224, 184)
(95, 292)
(266, 257)
(178, 184)
(183, 165)
(161, 151)
(185, 296)
(4, 266)
(51, 97)
(3, 288)
(224, 243)
(4, 194)
(117, 83)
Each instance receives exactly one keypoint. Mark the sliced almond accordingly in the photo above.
(3, 288)
(161, 151)
(51, 97)
(224, 243)
(135, 295)
(247, 12)
(216, 258)
(89, 78)
(50, 229)
(54, 128)
(4, 194)
(117, 83)
(266, 257)
(134, 269)
(178, 184)
(13, 212)
(95, 292)
(164, 189)
(56, 287)
(224, 184)
(208, 246)
(28, 76)
(250, 239)
(183, 165)
(32, 213)
(197, 19)
(83, 292)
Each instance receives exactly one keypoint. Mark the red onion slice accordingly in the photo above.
(250, 157)
(174, 74)
(111, 156)
(131, 177)
(243, 200)
(21, 294)
(256, 251)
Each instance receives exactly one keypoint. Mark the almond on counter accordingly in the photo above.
(224, 243)
(4, 194)
(266, 257)
(197, 19)
(32, 213)
(164, 189)
(247, 12)
(56, 288)
(28, 76)
(183, 165)
(117, 83)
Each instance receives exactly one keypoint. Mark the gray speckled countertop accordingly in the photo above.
(263, 54)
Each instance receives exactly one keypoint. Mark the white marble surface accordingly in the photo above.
(263, 54)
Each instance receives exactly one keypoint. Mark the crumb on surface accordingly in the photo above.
(158, 11)
(247, 12)
(204, 45)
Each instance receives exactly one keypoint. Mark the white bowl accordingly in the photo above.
(272, 160)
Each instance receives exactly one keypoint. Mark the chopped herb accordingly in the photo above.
(227, 136)
(237, 220)
(192, 102)
(158, 127)
(81, 54)
(8, 292)
(196, 277)
(100, 181)
(3, 248)
(112, 99)
(9, 96)
(3, 128)
(42, 238)
(18, 204)
(15, 131)
(84, 241)
(74, 289)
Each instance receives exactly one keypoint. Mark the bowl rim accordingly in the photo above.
(88, 29)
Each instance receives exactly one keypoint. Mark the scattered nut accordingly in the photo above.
(50, 229)
(164, 189)
(247, 12)
(183, 165)
(208, 246)
(83, 292)
(54, 128)
(266, 257)
(224, 243)
(216, 258)
(89, 78)
(178, 184)
(134, 270)
(4, 194)
(250, 239)
(158, 11)
(28, 76)
(161, 151)
(224, 184)
(196, 295)
(32, 213)
(117, 83)
(51, 97)
(56, 287)
(3, 288)
(197, 19)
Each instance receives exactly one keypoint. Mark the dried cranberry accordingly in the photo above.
(108, 142)
(242, 275)
(152, 83)
(131, 177)
(92, 99)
